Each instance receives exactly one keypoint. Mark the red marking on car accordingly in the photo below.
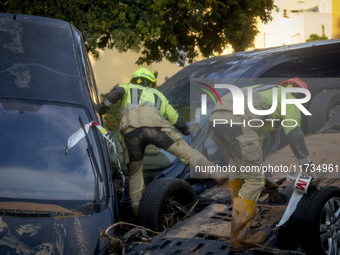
(301, 185)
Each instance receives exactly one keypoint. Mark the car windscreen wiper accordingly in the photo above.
(81, 133)
(73, 140)
(93, 161)
(90, 152)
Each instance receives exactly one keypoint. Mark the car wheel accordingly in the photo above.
(323, 106)
(158, 208)
(316, 221)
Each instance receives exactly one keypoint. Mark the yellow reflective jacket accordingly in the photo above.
(292, 111)
(144, 97)
(264, 102)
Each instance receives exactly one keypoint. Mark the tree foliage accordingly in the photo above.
(315, 37)
(157, 28)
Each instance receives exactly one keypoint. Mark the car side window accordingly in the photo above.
(86, 67)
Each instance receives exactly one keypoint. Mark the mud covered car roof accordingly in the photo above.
(39, 59)
(305, 61)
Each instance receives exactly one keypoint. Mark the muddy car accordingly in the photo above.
(201, 224)
(52, 201)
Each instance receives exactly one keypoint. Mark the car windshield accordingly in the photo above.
(38, 60)
(33, 162)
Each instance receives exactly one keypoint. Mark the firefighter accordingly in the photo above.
(144, 114)
(242, 144)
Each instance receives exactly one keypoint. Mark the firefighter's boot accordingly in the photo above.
(235, 187)
(241, 235)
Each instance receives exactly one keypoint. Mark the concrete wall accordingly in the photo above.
(325, 6)
(313, 24)
(336, 19)
(299, 26)
(278, 31)
(295, 29)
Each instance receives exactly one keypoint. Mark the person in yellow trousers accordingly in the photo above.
(146, 115)
(242, 144)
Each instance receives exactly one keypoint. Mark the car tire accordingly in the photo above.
(316, 221)
(154, 205)
(322, 108)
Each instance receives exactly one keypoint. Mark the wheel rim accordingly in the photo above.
(330, 227)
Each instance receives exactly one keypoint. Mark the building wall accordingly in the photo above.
(313, 24)
(293, 27)
(336, 19)
(325, 6)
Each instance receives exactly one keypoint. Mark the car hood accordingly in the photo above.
(68, 234)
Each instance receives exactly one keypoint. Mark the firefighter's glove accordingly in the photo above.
(182, 126)
(186, 132)
(310, 170)
(101, 108)
(273, 190)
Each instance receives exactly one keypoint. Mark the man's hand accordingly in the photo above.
(186, 132)
(101, 108)
(182, 126)
(191, 129)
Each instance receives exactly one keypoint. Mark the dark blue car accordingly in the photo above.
(50, 202)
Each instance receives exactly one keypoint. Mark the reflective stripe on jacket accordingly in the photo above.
(136, 94)
(292, 111)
